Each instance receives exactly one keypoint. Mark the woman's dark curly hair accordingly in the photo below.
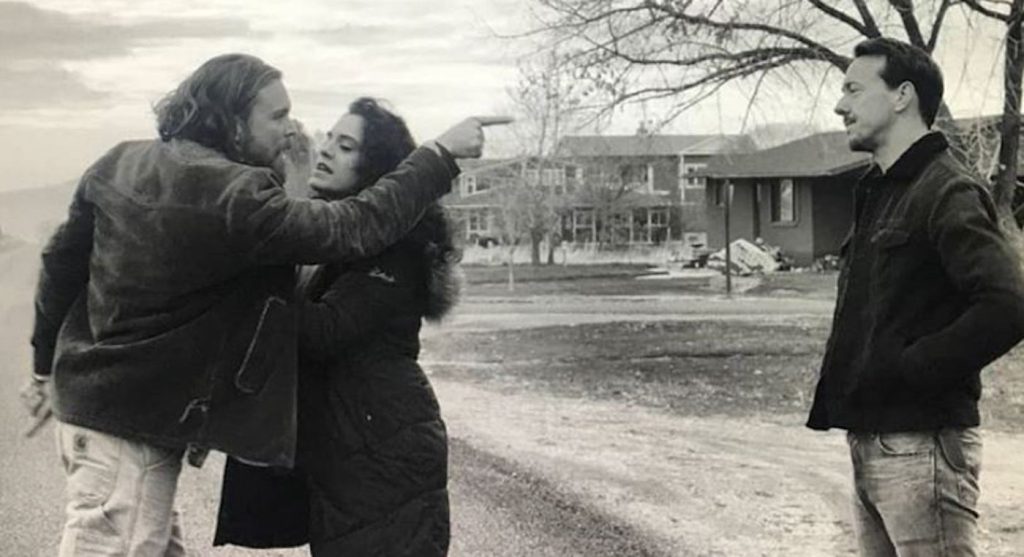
(386, 140)
(213, 103)
(386, 143)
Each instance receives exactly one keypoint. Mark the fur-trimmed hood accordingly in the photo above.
(444, 287)
(433, 238)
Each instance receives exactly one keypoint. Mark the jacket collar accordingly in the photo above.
(913, 160)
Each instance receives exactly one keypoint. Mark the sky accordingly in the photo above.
(80, 76)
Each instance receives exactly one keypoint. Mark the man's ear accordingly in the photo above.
(906, 96)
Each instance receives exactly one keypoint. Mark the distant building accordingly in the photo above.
(616, 190)
(797, 196)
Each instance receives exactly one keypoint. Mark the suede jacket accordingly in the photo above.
(930, 292)
(162, 306)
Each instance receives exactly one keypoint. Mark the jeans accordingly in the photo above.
(120, 496)
(916, 493)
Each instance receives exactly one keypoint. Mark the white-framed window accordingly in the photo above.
(691, 177)
(637, 176)
(783, 201)
(554, 177)
(477, 221)
(659, 217)
(583, 225)
(468, 184)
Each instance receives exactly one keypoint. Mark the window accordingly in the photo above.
(636, 175)
(583, 230)
(659, 217)
(532, 176)
(476, 221)
(690, 178)
(554, 177)
(783, 201)
(721, 193)
(468, 184)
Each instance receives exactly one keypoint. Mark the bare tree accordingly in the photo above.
(684, 51)
(545, 100)
(1011, 12)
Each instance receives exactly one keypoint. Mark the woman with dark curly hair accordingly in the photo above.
(373, 451)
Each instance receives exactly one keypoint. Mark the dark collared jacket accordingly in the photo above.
(930, 292)
(373, 446)
(162, 306)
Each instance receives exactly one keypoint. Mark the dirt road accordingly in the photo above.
(694, 486)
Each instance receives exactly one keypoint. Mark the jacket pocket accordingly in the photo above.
(266, 341)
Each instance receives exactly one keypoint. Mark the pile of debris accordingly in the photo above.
(748, 258)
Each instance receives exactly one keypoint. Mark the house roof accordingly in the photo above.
(652, 145)
(492, 198)
(486, 198)
(822, 154)
(475, 165)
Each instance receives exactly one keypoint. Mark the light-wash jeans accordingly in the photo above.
(120, 496)
(916, 493)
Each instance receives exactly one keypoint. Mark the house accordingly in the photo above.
(797, 196)
(658, 178)
(476, 197)
(613, 190)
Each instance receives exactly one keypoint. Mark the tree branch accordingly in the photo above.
(737, 58)
(827, 54)
(988, 12)
(838, 14)
(906, 10)
(869, 20)
(937, 26)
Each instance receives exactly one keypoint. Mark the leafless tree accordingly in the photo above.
(1011, 12)
(545, 101)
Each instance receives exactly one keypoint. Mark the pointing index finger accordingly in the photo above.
(493, 120)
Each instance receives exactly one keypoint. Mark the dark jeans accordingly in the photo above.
(916, 493)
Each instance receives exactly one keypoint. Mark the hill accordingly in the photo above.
(32, 214)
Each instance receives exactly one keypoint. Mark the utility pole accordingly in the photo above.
(728, 240)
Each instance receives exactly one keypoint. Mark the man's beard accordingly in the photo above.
(865, 144)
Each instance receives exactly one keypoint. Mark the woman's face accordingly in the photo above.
(335, 173)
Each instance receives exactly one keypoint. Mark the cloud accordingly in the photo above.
(32, 34)
(41, 86)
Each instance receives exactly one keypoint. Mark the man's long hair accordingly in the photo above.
(212, 105)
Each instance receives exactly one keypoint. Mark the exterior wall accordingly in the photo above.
(797, 238)
(741, 213)
(754, 196)
(691, 197)
(833, 212)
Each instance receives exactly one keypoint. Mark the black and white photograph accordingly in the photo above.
(506, 278)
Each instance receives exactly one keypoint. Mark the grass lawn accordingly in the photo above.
(691, 368)
(625, 280)
(490, 274)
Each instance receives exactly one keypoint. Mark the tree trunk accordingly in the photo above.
(553, 243)
(536, 236)
(1009, 129)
